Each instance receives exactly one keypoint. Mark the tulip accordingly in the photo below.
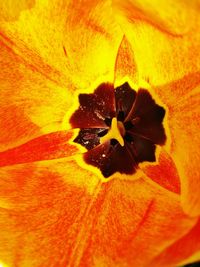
(58, 208)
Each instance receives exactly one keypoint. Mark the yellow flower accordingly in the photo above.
(56, 210)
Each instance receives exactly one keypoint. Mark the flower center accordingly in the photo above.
(119, 127)
(116, 132)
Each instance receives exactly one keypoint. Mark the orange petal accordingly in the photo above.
(170, 93)
(181, 250)
(31, 101)
(130, 223)
(10, 10)
(42, 208)
(164, 173)
(184, 124)
(46, 147)
(174, 17)
(159, 56)
(125, 66)
(56, 213)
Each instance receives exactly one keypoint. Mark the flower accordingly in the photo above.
(55, 209)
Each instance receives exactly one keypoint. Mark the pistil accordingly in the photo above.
(116, 132)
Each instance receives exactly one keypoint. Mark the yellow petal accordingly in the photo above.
(174, 17)
(161, 57)
(10, 10)
(79, 43)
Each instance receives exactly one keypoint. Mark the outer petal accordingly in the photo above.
(42, 211)
(51, 217)
(159, 56)
(128, 225)
(31, 100)
(174, 17)
(79, 39)
(181, 251)
(50, 146)
(185, 124)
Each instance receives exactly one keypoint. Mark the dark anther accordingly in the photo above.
(120, 116)
(138, 128)
(108, 121)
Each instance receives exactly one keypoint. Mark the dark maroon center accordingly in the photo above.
(142, 120)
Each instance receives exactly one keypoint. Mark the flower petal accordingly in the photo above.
(46, 147)
(171, 16)
(31, 102)
(164, 173)
(125, 66)
(184, 124)
(130, 224)
(161, 57)
(56, 213)
(11, 10)
(182, 249)
(42, 211)
(81, 50)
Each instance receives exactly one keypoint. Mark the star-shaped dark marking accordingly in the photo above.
(119, 127)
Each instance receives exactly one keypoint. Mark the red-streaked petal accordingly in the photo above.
(128, 225)
(31, 101)
(46, 147)
(184, 124)
(54, 213)
(181, 250)
(42, 209)
(164, 173)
